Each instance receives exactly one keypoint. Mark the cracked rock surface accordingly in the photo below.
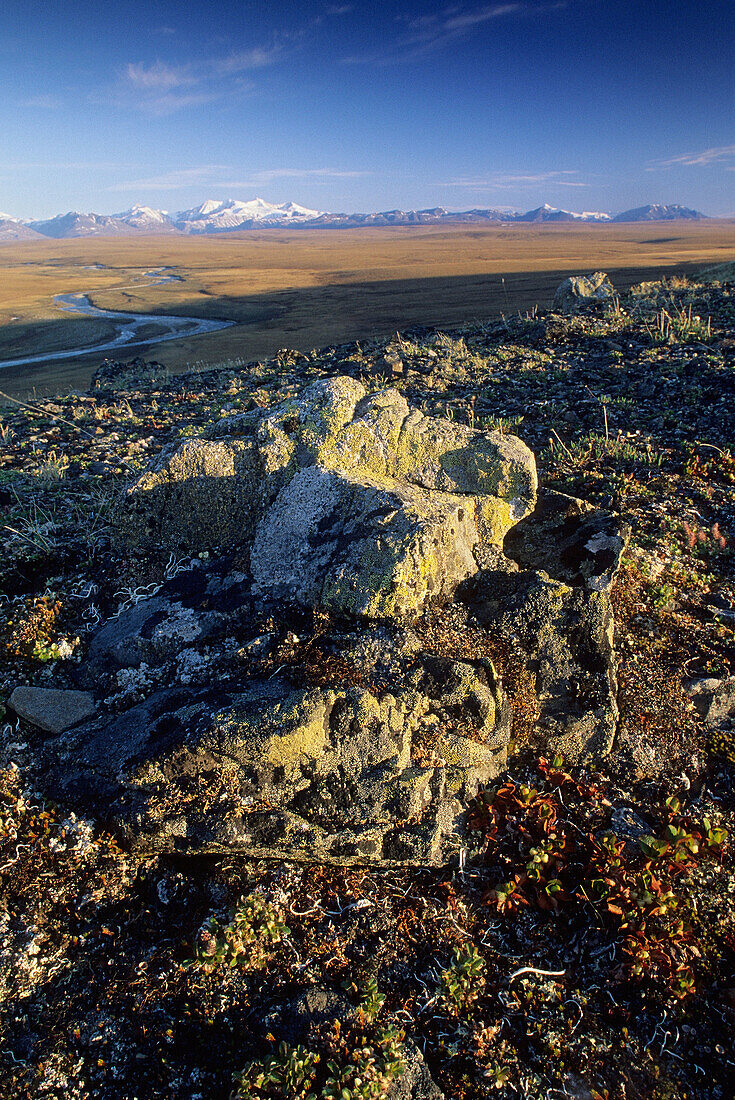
(378, 533)
(346, 500)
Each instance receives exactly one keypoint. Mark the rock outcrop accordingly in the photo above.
(344, 500)
(329, 688)
(580, 290)
(304, 772)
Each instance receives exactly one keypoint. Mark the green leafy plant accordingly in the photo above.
(639, 894)
(370, 999)
(290, 1073)
(255, 925)
(463, 980)
(363, 1067)
(352, 1064)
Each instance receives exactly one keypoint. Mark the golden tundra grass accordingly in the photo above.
(308, 288)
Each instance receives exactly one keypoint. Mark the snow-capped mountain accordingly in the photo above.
(659, 212)
(147, 220)
(223, 215)
(75, 224)
(434, 215)
(13, 230)
(215, 216)
(548, 213)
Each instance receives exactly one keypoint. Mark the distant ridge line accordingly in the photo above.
(230, 215)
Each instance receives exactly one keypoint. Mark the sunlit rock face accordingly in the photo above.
(328, 681)
(580, 290)
(347, 501)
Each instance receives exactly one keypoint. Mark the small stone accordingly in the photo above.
(714, 699)
(389, 364)
(51, 709)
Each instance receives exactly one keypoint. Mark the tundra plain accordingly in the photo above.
(310, 288)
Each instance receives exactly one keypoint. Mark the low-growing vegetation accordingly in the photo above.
(584, 942)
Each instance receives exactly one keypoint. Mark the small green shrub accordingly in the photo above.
(354, 1062)
(255, 925)
(463, 981)
(290, 1073)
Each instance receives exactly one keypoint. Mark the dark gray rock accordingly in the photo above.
(570, 540)
(714, 699)
(195, 607)
(567, 633)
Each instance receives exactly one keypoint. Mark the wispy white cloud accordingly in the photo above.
(453, 21)
(43, 102)
(221, 177)
(159, 76)
(176, 179)
(338, 9)
(305, 173)
(63, 166)
(431, 32)
(705, 157)
(162, 88)
(501, 181)
(242, 60)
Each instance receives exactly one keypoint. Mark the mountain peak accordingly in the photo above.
(659, 212)
(223, 215)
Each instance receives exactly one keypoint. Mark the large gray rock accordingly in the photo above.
(348, 501)
(275, 770)
(51, 709)
(580, 290)
(337, 541)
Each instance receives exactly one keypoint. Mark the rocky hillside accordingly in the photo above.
(369, 716)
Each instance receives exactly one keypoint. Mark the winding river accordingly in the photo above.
(127, 325)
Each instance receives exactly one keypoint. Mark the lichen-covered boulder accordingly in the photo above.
(280, 771)
(579, 290)
(344, 500)
(343, 543)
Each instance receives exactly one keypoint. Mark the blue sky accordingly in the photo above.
(586, 104)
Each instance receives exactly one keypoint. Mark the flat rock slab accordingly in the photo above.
(51, 709)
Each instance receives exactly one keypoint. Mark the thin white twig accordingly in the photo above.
(535, 970)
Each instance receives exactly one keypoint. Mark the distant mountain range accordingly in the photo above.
(221, 216)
